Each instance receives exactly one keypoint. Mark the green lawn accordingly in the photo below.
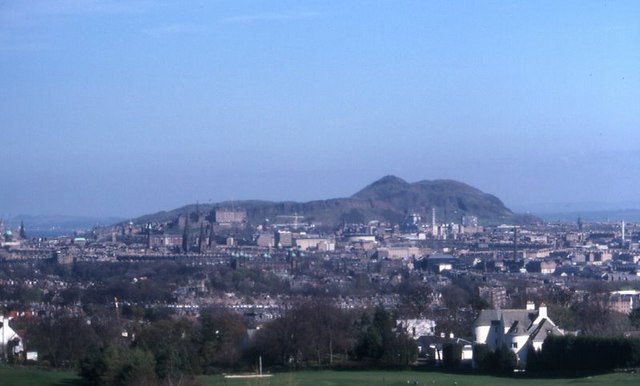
(27, 376)
(386, 378)
(37, 377)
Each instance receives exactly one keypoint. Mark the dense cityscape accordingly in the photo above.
(293, 293)
(303, 193)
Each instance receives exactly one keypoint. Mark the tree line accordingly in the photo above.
(173, 351)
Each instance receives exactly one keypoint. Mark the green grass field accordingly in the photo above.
(26, 376)
(391, 378)
(37, 377)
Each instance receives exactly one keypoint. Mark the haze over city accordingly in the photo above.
(311, 192)
(129, 107)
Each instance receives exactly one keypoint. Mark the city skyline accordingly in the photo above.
(126, 108)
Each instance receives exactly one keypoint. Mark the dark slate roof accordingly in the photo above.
(517, 328)
(544, 329)
(523, 317)
(519, 323)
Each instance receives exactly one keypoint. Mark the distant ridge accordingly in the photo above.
(387, 199)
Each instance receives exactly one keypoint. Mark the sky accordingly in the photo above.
(130, 107)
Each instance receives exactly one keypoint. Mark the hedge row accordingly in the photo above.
(585, 353)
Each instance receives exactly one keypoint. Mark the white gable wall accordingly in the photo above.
(518, 344)
(7, 334)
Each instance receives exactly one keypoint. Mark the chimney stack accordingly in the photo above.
(542, 311)
(530, 306)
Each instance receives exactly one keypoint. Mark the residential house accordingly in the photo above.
(516, 329)
(8, 337)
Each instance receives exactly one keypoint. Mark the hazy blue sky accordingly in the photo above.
(129, 107)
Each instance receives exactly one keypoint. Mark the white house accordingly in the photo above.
(416, 328)
(516, 329)
(7, 335)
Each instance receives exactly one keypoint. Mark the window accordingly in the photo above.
(514, 345)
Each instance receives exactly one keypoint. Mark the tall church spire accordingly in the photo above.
(22, 233)
(201, 238)
(185, 235)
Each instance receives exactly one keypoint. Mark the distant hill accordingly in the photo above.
(451, 199)
(388, 199)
